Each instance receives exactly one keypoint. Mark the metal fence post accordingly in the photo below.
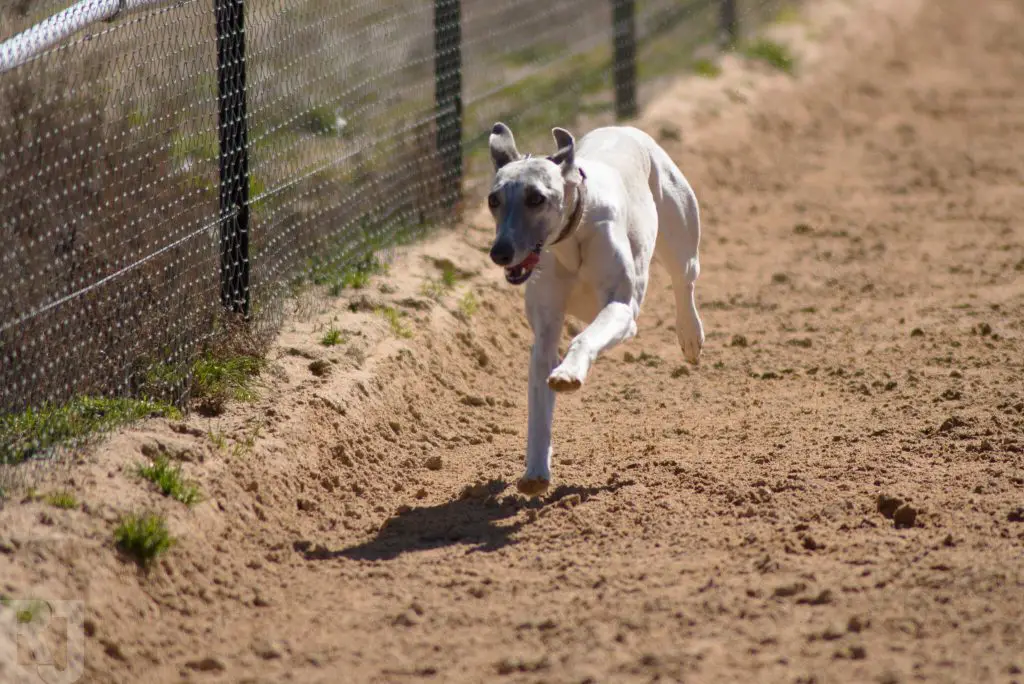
(234, 156)
(730, 24)
(448, 94)
(624, 31)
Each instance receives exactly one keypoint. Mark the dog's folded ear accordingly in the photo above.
(566, 147)
(565, 157)
(503, 146)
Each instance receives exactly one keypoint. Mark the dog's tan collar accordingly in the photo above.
(576, 217)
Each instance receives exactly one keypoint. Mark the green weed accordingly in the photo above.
(788, 14)
(27, 611)
(218, 378)
(246, 445)
(469, 305)
(771, 53)
(332, 338)
(394, 319)
(170, 481)
(62, 499)
(706, 68)
(36, 430)
(143, 537)
(219, 439)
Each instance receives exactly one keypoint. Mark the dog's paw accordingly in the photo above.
(532, 486)
(563, 381)
(691, 340)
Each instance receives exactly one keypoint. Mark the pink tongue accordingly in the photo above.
(530, 261)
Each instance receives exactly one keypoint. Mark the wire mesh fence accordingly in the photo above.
(170, 166)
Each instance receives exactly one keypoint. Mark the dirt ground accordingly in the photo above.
(862, 295)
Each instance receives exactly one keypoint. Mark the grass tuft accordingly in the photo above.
(218, 378)
(169, 480)
(332, 337)
(62, 499)
(707, 68)
(771, 53)
(788, 14)
(143, 537)
(394, 319)
(469, 305)
(36, 430)
(352, 277)
(26, 611)
(436, 289)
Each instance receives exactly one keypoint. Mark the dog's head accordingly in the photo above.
(527, 200)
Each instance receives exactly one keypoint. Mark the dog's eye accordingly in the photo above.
(534, 199)
(493, 200)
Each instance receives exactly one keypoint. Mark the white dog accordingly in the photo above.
(585, 223)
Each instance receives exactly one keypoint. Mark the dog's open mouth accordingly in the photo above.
(520, 273)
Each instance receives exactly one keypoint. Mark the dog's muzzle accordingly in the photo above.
(521, 272)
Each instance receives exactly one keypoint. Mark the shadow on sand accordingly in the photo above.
(474, 519)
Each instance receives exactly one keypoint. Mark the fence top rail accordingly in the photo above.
(34, 41)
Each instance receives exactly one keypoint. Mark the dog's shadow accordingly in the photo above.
(473, 520)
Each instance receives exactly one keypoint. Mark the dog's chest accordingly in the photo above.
(583, 303)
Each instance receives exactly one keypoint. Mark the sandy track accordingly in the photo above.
(862, 296)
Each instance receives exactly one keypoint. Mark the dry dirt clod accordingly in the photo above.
(208, 664)
(887, 505)
(408, 618)
(905, 516)
(320, 368)
(833, 632)
(433, 463)
(824, 597)
(856, 624)
(268, 650)
(788, 590)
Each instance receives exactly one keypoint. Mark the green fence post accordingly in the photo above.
(234, 155)
(624, 31)
(730, 24)
(448, 94)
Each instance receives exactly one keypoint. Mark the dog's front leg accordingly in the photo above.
(543, 359)
(614, 324)
(547, 315)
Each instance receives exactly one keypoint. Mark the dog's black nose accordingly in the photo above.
(502, 253)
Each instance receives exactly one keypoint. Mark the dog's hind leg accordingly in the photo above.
(677, 248)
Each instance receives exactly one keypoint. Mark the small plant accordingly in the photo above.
(787, 14)
(469, 305)
(680, 371)
(143, 537)
(394, 319)
(649, 360)
(245, 446)
(772, 53)
(169, 480)
(706, 68)
(332, 338)
(27, 611)
(434, 289)
(354, 276)
(62, 499)
(219, 439)
(449, 275)
(36, 430)
(217, 378)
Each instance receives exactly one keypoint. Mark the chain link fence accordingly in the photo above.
(168, 167)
